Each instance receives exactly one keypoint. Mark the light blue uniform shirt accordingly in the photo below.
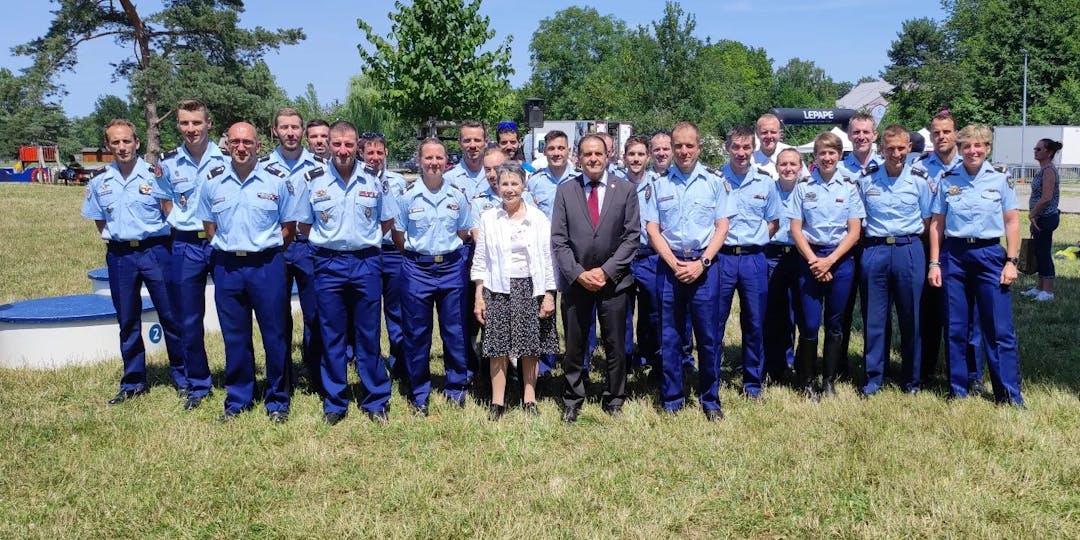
(181, 182)
(248, 215)
(756, 204)
(974, 207)
(825, 207)
(895, 206)
(542, 186)
(128, 206)
(471, 183)
(431, 220)
(346, 214)
(483, 202)
(783, 230)
(851, 168)
(306, 169)
(686, 206)
(935, 168)
(645, 188)
(393, 186)
(614, 171)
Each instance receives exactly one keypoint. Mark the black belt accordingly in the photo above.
(975, 242)
(389, 247)
(890, 240)
(776, 250)
(300, 239)
(687, 254)
(742, 250)
(249, 255)
(145, 243)
(327, 252)
(445, 257)
(189, 236)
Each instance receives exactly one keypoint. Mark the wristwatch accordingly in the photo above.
(1014, 260)
(705, 263)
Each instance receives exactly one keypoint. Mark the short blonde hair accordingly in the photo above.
(828, 139)
(975, 133)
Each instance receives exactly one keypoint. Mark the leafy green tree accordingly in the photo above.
(802, 84)
(26, 116)
(738, 86)
(434, 68)
(187, 38)
(923, 71)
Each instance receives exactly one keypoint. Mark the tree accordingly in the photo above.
(923, 72)
(25, 115)
(737, 87)
(435, 67)
(202, 34)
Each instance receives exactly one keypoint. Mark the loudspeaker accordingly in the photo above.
(534, 112)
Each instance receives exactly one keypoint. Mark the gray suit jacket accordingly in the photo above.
(612, 245)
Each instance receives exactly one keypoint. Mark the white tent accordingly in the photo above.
(808, 148)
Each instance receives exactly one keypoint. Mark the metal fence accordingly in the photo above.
(1026, 173)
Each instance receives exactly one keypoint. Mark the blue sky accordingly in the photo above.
(848, 38)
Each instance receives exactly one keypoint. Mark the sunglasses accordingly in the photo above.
(371, 135)
(506, 126)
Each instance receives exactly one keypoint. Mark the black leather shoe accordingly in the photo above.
(125, 395)
(495, 412)
(714, 415)
(379, 417)
(530, 409)
(332, 418)
(227, 416)
(570, 415)
(420, 410)
(977, 388)
(613, 410)
(193, 402)
(279, 417)
(183, 393)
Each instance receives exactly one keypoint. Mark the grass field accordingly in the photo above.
(894, 466)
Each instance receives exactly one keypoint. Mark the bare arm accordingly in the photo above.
(211, 228)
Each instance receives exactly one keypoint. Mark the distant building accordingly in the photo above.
(95, 155)
(868, 97)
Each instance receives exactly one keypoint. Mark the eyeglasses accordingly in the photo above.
(506, 126)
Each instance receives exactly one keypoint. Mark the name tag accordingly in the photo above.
(269, 196)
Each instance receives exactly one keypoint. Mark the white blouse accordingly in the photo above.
(496, 260)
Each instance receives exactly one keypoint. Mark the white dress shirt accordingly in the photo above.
(494, 248)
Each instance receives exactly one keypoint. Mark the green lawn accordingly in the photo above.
(894, 466)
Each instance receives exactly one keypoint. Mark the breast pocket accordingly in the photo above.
(223, 210)
(266, 213)
(990, 201)
(147, 209)
(327, 213)
(703, 213)
(419, 221)
(367, 208)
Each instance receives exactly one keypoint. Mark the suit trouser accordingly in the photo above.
(242, 285)
(578, 306)
(129, 268)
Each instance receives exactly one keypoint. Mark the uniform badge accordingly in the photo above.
(453, 206)
(320, 193)
(289, 186)
(727, 187)
(183, 200)
(954, 190)
(157, 170)
(269, 196)
(1011, 181)
(839, 199)
(367, 212)
(325, 217)
(811, 196)
(144, 189)
(872, 192)
(648, 192)
(386, 186)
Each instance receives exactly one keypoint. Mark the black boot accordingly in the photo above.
(805, 364)
(832, 357)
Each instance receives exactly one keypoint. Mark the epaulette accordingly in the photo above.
(666, 172)
(922, 156)
(849, 179)
(216, 171)
(920, 172)
(803, 179)
(97, 172)
(951, 172)
(264, 158)
(871, 169)
(170, 154)
(459, 188)
(314, 173)
(371, 170)
(1001, 169)
(412, 185)
(272, 169)
(321, 159)
(763, 172)
(717, 172)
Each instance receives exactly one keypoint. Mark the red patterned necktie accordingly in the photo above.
(594, 203)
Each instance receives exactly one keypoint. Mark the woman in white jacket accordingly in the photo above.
(515, 286)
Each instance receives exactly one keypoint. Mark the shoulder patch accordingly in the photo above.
(314, 173)
(216, 171)
(97, 172)
(871, 169)
(920, 172)
(264, 158)
(272, 169)
(648, 191)
(320, 159)
(170, 155)
(1001, 169)
(922, 156)
(951, 172)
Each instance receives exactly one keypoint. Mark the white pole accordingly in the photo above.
(1023, 126)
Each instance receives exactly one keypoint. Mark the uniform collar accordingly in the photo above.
(305, 156)
(212, 151)
(675, 173)
(358, 173)
(815, 177)
(254, 176)
(732, 178)
(585, 180)
(140, 169)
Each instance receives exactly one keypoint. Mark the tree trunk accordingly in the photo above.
(142, 39)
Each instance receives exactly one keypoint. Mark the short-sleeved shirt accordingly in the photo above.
(393, 185)
(687, 205)
(472, 183)
(825, 207)
(482, 202)
(895, 206)
(935, 168)
(247, 215)
(181, 181)
(346, 214)
(431, 220)
(974, 206)
(642, 188)
(756, 204)
(783, 229)
(851, 167)
(542, 186)
(307, 168)
(128, 206)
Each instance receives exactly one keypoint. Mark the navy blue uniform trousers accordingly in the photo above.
(187, 285)
(892, 274)
(783, 301)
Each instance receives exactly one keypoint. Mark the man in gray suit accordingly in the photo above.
(595, 232)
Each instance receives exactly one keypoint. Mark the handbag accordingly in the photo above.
(1028, 263)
